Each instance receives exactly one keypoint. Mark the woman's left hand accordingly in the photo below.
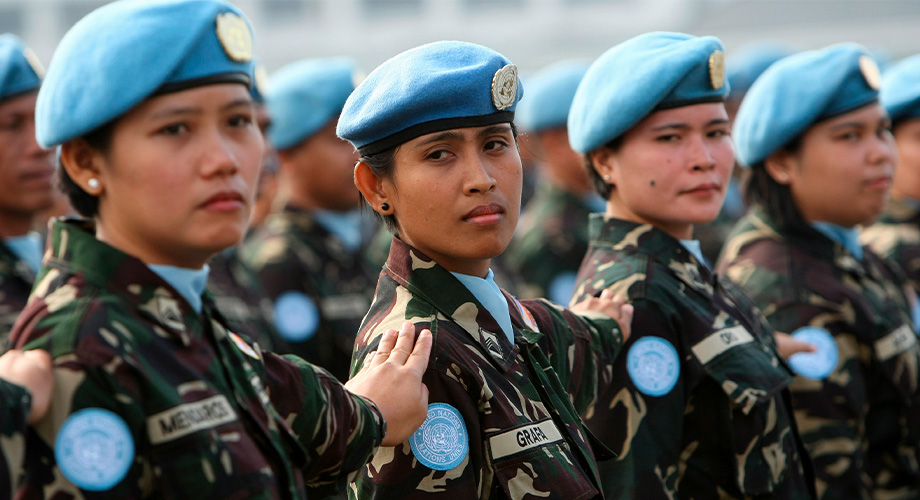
(611, 305)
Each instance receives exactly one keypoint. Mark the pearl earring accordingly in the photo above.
(93, 183)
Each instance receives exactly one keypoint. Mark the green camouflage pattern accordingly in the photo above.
(896, 236)
(500, 390)
(242, 301)
(862, 423)
(211, 415)
(16, 280)
(726, 429)
(551, 240)
(15, 404)
(290, 251)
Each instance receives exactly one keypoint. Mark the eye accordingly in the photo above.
(851, 135)
(240, 120)
(174, 129)
(718, 133)
(438, 154)
(667, 138)
(496, 145)
(13, 124)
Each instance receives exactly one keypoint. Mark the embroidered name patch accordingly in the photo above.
(653, 366)
(722, 340)
(896, 342)
(94, 449)
(187, 418)
(442, 442)
(817, 365)
(524, 438)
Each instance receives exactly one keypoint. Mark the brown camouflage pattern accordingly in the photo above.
(15, 403)
(896, 236)
(16, 280)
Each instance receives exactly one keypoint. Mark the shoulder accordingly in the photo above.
(624, 272)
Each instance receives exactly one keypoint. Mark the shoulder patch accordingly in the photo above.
(296, 316)
(528, 318)
(816, 365)
(653, 366)
(94, 449)
(442, 442)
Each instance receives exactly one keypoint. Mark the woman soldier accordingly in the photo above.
(698, 407)
(149, 102)
(822, 156)
(896, 234)
(439, 163)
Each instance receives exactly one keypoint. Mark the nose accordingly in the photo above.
(700, 155)
(219, 156)
(883, 150)
(32, 148)
(479, 176)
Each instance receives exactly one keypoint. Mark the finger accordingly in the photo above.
(387, 342)
(404, 343)
(625, 321)
(418, 360)
(39, 357)
(607, 293)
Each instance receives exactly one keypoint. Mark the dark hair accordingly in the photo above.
(84, 203)
(601, 186)
(774, 198)
(382, 164)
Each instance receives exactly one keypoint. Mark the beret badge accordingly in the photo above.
(870, 72)
(717, 69)
(33, 61)
(260, 79)
(504, 87)
(234, 36)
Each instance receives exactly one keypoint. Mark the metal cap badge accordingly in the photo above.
(870, 72)
(33, 61)
(234, 36)
(260, 79)
(717, 69)
(504, 87)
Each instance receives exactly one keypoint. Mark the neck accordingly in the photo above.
(15, 224)
(678, 230)
(144, 253)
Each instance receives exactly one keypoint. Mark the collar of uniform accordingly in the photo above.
(432, 283)
(74, 248)
(623, 235)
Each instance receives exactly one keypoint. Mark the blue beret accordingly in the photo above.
(307, 94)
(798, 91)
(647, 73)
(749, 62)
(128, 50)
(20, 71)
(549, 96)
(900, 94)
(435, 87)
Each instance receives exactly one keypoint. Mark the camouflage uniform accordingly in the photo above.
(15, 404)
(724, 428)
(15, 284)
(896, 236)
(293, 252)
(862, 423)
(499, 390)
(242, 301)
(551, 240)
(209, 415)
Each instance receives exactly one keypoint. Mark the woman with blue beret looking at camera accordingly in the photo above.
(150, 105)
(821, 154)
(699, 406)
(507, 378)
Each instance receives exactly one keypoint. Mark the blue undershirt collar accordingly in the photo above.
(693, 246)
(490, 296)
(28, 248)
(346, 226)
(190, 283)
(846, 236)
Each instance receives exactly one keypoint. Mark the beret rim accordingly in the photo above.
(432, 126)
(231, 77)
(21, 93)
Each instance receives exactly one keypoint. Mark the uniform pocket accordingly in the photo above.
(534, 461)
(762, 439)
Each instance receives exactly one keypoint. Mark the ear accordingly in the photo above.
(780, 166)
(83, 164)
(371, 188)
(605, 164)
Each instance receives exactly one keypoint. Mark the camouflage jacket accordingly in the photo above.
(861, 423)
(166, 402)
(551, 240)
(699, 406)
(15, 403)
(896, 236)
(242, 301)
(15, 284)
(503, 415)
(320, 290)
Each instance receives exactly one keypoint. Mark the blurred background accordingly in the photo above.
(532, 33)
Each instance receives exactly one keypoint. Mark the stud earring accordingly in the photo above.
(93, 183)
(607, 178)
(384, 206)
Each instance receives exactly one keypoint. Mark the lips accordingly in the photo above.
(224, 200)
(485, 214)
(704, 188)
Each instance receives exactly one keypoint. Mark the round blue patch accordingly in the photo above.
(653, 366)
(816, 365)
(94, 449)
(442, 442)
(296, 316)
(561, 288)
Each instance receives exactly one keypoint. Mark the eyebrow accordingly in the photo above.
(494, 129)
(685, 126)
(841, 126)
(197, 110)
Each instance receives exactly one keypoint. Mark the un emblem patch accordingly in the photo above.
(817, 365)
(94, 449)
(442, 442)
(653, 366)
